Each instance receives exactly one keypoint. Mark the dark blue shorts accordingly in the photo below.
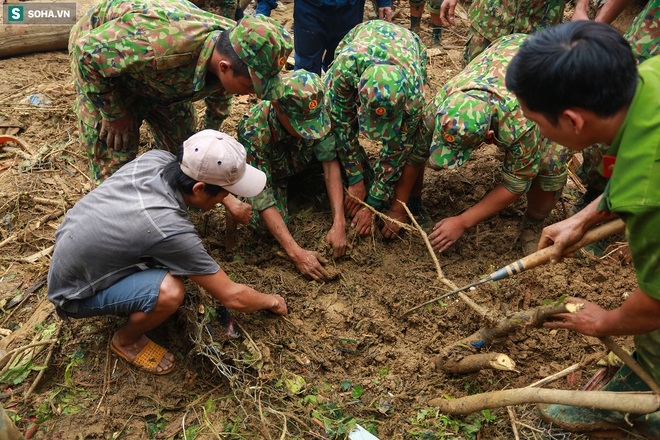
(135, 293)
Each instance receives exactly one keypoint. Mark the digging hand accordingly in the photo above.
(310, 264)
(336, 238)
(446, 232)
(351, 205)
(117, 134)
(363, 222)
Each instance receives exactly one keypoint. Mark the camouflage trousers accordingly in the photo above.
(644, 32)
(170, 126)
(553, 169)
(433, 6)
(474, 45)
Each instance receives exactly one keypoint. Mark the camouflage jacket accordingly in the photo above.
(371, 43)
(274, 151)
(157, 50)
(517, 136)
(495, 18)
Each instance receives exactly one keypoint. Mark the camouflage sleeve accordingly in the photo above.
(218, 106)
(324, 149)
(341, 95)
(254, 133)
(106, 53)
(521, 162)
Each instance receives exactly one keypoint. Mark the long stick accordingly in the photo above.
(632, 363)
(637, 403)
(535, 259)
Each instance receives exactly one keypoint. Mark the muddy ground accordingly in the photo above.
(343, 355)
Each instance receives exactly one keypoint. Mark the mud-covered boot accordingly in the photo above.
(418, 211)
(437, 35)
(581, 419)
(530, 234)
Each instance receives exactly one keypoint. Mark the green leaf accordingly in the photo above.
(383, 371)
(295, 384)
(357, 392)
(345, 385)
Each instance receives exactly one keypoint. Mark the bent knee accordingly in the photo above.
(171, 292)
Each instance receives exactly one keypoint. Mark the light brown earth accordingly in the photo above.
(343, 355)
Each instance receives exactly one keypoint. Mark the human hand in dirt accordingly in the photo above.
(446, 232)
(385, 13)
(351, 205)
(586, 320)
(310, 264)
(117, 134)
(279, 305)
(336, 238)
(447, 12)
(562, 235)
(241, 212)
(391, 229)
(363, 222)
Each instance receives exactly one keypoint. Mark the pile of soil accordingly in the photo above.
(344, 355)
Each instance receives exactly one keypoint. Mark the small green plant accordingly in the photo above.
(430, 424)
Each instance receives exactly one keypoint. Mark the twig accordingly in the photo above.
(4, 358)
(513, 418)
(48, 356)
(441, 277)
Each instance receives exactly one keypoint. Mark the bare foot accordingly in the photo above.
(130, 352)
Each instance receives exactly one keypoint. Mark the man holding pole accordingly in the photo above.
(579, 82)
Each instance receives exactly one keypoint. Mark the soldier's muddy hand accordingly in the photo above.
(279, 305)
(446, 232)
(351, 205)
(447, 12)
(363, 221)
(117, 134)
(391, 229)
(336, 238)
(310, 264)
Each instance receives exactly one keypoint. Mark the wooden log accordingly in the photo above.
(636, 403)
(476, 362)
(23, 39)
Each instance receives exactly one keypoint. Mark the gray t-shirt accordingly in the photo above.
(133, 221)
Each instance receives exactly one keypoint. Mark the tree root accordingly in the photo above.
(477, 362)
(636, 403)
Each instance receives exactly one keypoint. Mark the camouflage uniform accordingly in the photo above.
(644, 38)
(375, 85)
(150, 59)
(476, 100)
(272, 149)
(492, 19)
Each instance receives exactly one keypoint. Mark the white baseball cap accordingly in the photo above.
(217, 158)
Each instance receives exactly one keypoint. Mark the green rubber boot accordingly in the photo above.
(581, 419)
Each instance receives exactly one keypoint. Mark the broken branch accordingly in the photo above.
(636, 403)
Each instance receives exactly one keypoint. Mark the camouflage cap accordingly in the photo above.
(264, 46)
(302, 102)
(382, 94)
(461, 125)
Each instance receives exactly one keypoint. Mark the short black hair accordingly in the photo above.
(177, 179)
(578, 64)
(226, 49)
